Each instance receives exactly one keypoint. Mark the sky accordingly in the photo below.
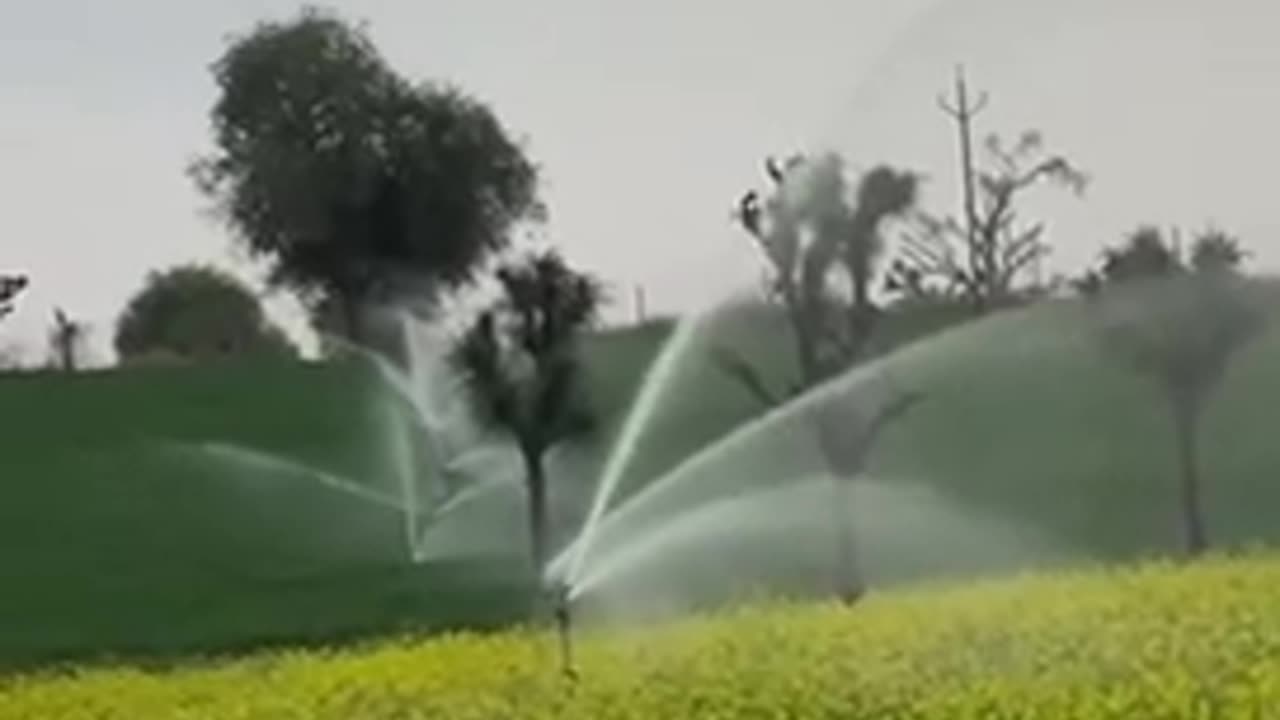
(648, 119)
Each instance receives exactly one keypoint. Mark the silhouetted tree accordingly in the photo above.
(1144, 255)
(1217, 251)
(196, 312)
(356, 185)
(1181, 324)
(980, 257)
(11, 286)
(67, 340)
(520, 360)
(813, 228)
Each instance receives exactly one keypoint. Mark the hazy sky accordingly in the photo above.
(648, 119)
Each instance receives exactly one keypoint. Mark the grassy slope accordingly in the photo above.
(110, 542)
(1025, 418)
(115, 539)
(1156, 641)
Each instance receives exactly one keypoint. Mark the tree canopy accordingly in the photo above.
(353, 183)
(194, 312)
(520, 360)
(820, 235)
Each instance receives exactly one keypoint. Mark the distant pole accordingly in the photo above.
(963, 110)
(639, 304)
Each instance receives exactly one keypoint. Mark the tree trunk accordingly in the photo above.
(536, 485)
(352, 321)
(839, 442)
(806, 345)
(845, 442)
(1186, 416)
(848, 581)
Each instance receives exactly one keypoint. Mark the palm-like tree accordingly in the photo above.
(1180, 323)
(813, 228)
(521, 365)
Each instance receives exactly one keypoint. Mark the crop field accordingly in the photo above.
(113, 545)
(1153, 641)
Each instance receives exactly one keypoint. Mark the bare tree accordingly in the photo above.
(981, 255)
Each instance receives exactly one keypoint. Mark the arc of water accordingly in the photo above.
(742, 437)
(329, 480)
(409, 387)
(637, 418)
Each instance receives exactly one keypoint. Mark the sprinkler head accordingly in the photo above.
(561, 608)
(561, 603)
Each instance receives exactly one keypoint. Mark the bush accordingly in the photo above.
(1158, 641)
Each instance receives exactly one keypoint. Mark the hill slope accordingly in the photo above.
(114, 540)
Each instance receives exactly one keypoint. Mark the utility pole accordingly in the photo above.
(66, 336)
(639, 305)
(963, 110)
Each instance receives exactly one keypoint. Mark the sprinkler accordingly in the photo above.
(562, 609)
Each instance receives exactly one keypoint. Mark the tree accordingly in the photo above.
(11, 286)
(520, 362)
(354, 184)
(812, 228)
(1144, 256)
(67, 339)
(809, 227)
(980, 255)
(196, 312)
(1180, 323)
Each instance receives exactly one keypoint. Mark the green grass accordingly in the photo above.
(113, 543)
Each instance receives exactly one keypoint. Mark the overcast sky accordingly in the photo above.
(648, 119)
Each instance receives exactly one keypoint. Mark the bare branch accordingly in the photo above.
(891, 412)
(983, 99)
(945, 106)
(741, 370)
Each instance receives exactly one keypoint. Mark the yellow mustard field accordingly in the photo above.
(1159, 641)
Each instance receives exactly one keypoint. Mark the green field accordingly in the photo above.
(114, 541)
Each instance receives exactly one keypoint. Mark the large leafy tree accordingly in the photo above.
(817, 230)
(195, 312)
(520, 360)
(1180, 321)
(354, 184)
